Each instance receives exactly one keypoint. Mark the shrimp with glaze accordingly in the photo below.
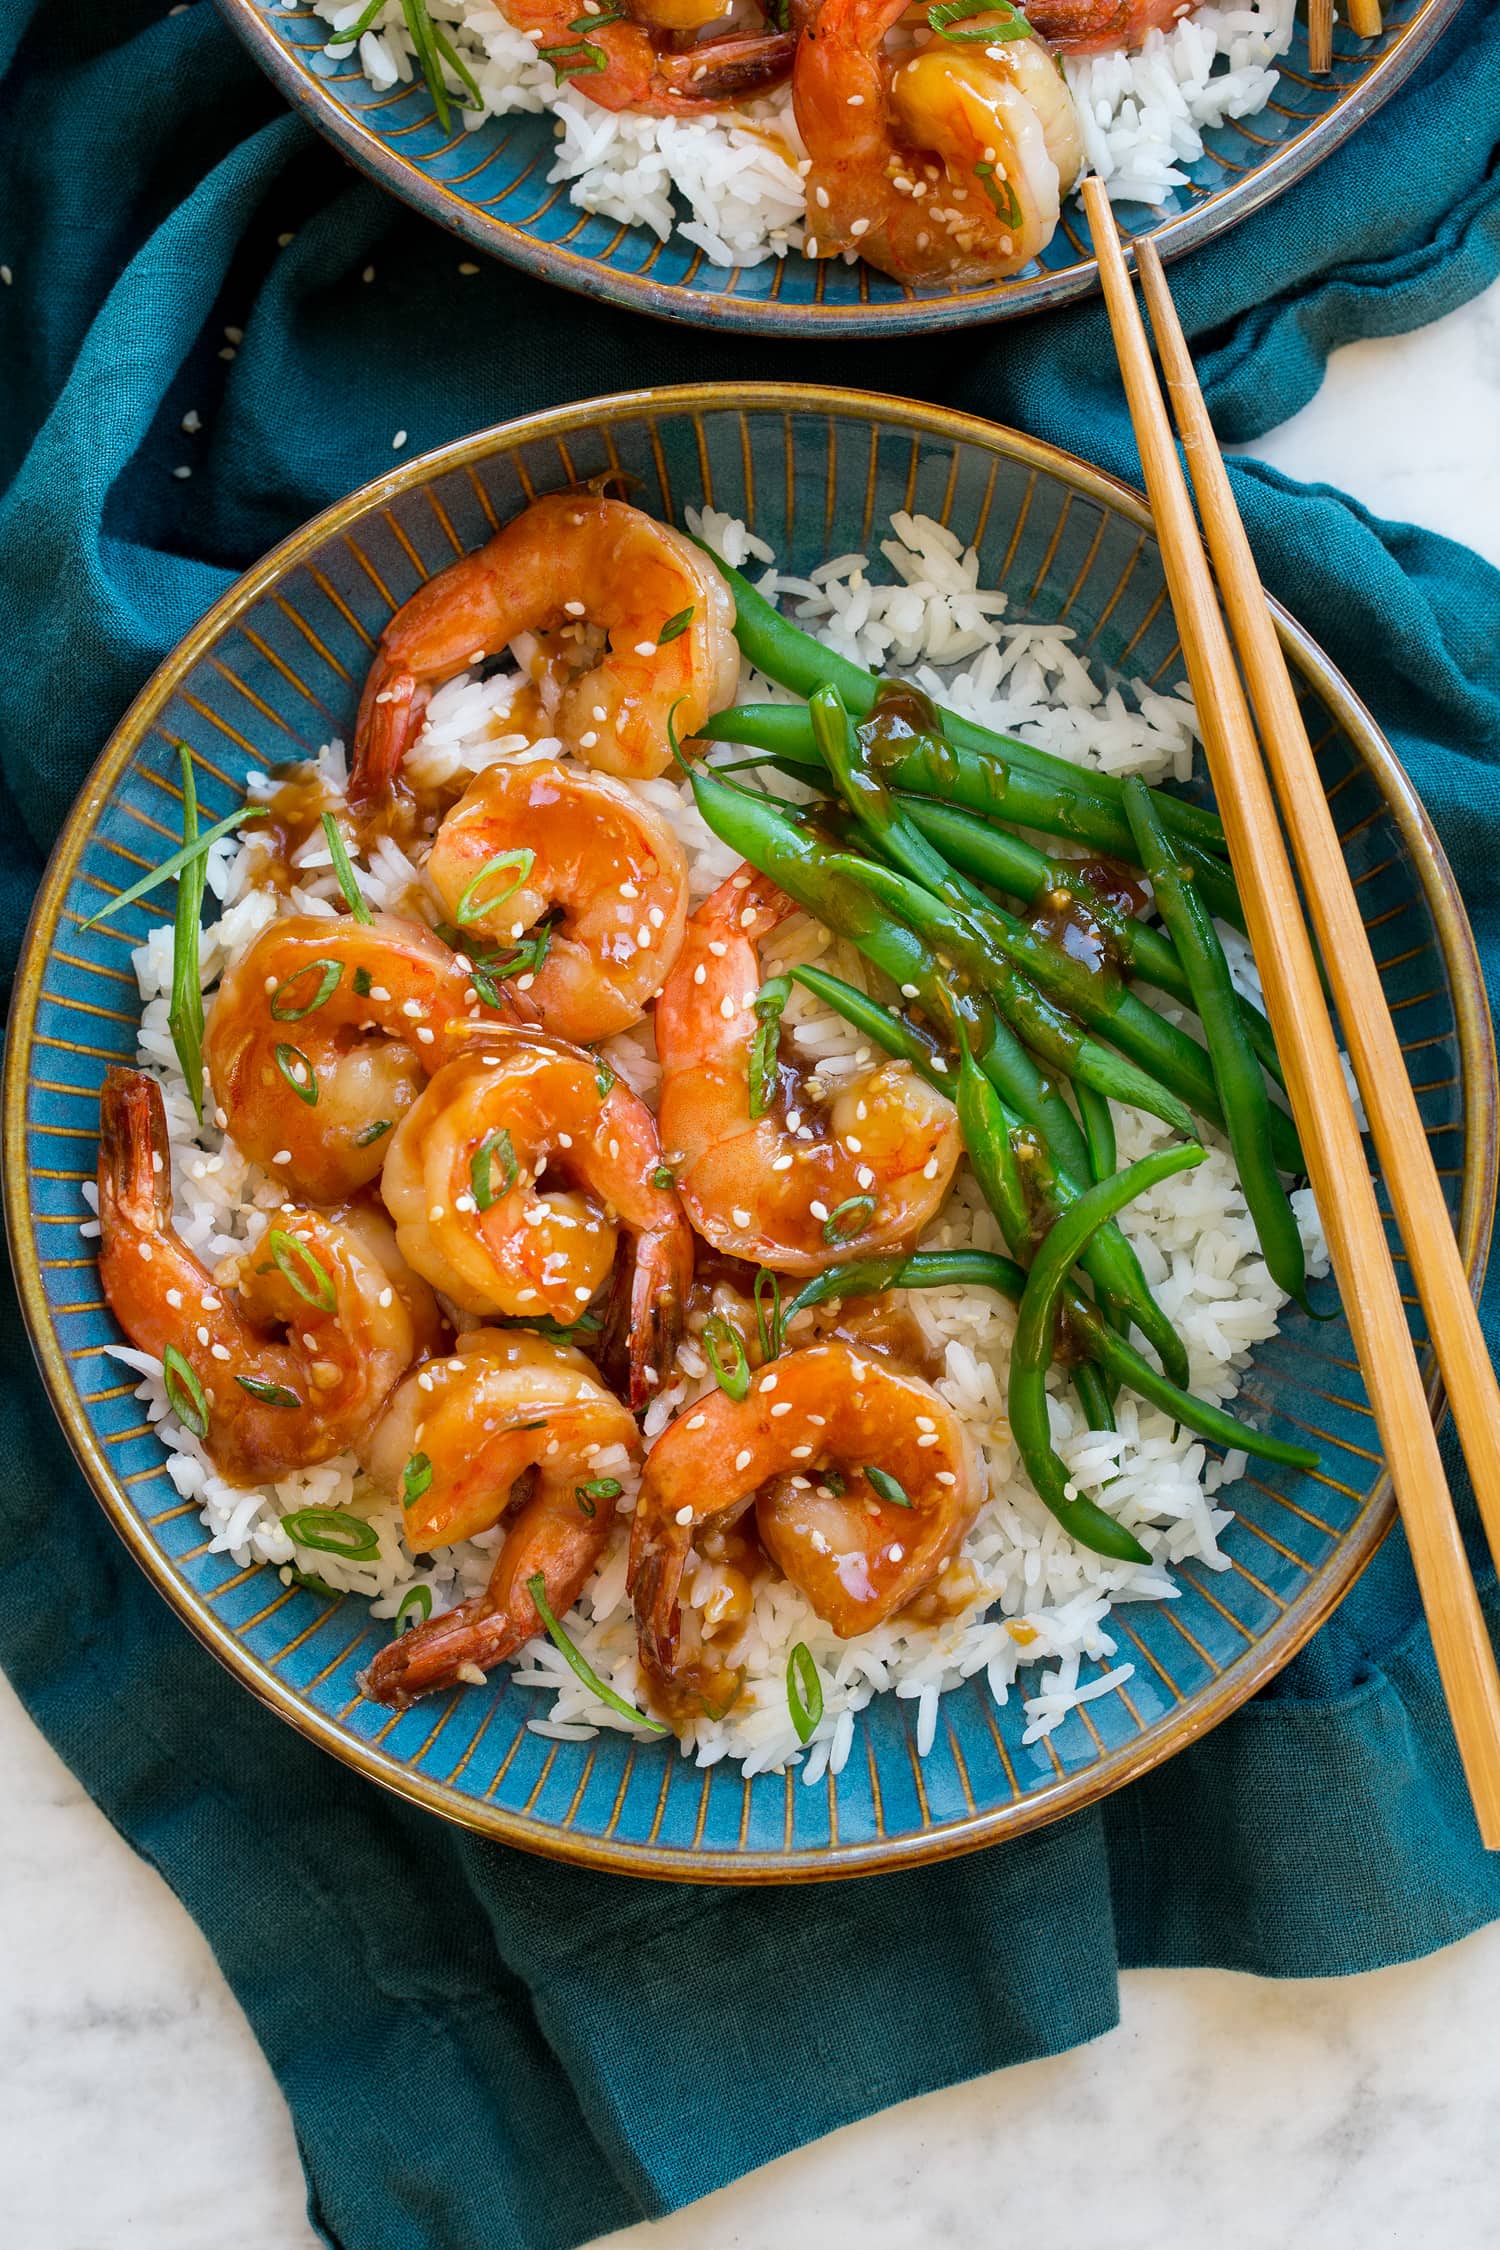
(793, 1181)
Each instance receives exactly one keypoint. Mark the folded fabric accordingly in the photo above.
(478, 2046)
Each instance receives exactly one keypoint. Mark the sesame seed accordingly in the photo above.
(368, 274)
(939, 1064)
(379, 992)
(386, 1299)
(203, 1335)
(925, 1422)
(945, 1476)
(398, 441)
(695, 1421)
(865, 1176)
(436, 1212)
(781, 1164)
(425, 1035)
(928, 1437)
(221, 1351)
(643, 936)
(582, 1294)
(861, 1110)
(717, 948)
(818, 1421)
(782, 1406)
(174, 1299)
(896, 1554)
(743, 1458)
(565, 1140)
(818, 1210)
(801, 1453)
(575, 609)
(645, 648)
(768, 1382)
(470, 1674)
(859, 226)
(930, 1168)
(856, 101)
(587, 741)
(726, 1008)
(909, 991)
(852, 1144)
(700, 974)
(599, 710)
(684, 1515)
(282, 1156)
(740, 1218)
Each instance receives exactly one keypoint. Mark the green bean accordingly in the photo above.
(1032, 1350)
(1062, 804)
(973, 936)
(1242, 1090)
(780, 649)
(1098, 1131)
(993, 855)
(986, 1269)
(993, 1134)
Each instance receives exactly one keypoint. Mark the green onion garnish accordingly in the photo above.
(415, 1602)
(731, 1372)
(328, 981)
(298, 1073)
(664, 1177)
(269, 1394)
(496, 1144)
(537, 1588)
(594, 23)
(416, 1477)
(372, 1133)
(364, 983)
(314, 1285)
(765, 1042)
(589, 57)
(597, 1488)
(804, 1691)
(185, 1015)
(1010, 208)
(889, 1487)
(354, 897)
(184, 1392)
(988, 21)
(557, 1331)
(176, 862)
(604, 1077)
(766, 1297)
(313, 1583)
(833, 1483)
(357, 29)
(517, 863)
(845, 1220)
(334, 1532)
(676, 626)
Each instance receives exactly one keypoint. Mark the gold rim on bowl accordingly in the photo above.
(1204, 1708)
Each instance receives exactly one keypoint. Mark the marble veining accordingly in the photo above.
(1349, 2115)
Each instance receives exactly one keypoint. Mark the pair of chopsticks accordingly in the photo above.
(1362, 16)
(1320, 1102)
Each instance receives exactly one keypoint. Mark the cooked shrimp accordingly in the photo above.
(291, 1348)
(502, 1409)
(950, 164)
(617, 63)
(1085, 27)
(801, 1445)
(463, 1183)
(591, 852)
(321, 1036)
(572, 561)
(814, 1179)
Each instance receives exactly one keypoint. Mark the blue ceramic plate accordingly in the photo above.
(491, 188)
(274, 670)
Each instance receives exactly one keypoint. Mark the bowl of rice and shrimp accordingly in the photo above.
(600, 150)
(1023, 589)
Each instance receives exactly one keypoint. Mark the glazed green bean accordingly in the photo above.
(780, 649)
(1098, 1131)
(1031, 1350)
(1242, 1090)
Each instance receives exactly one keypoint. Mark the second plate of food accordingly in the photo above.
(873, 168)
(579, 1367)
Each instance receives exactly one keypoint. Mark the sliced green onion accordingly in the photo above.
(676, 626)
(595, 23)
(313, 1583)
(589, 57)
(357, 29)
(597, 1488)
(354, 897)
(731, 1373)
(494, 1144)
(518, 863)
(845, 1220)
(184, 1392)
(372, 1133)
(537, 1588)
(1010, 208)
(269, 1394)
(416, 1478)
(364, 983)
(766, 1296)
(185, 1015)
(459, 68)
(765, 1042)
(604, 1077)
(557, 1331)
(298, 1073)
(834, 1483)
(314, 1285)
(415, 1602)
(889, 1487)
(804, 1691)
(334, 1532)
(664, 1177)
(989, 22)
(327, 986)
(176, 862)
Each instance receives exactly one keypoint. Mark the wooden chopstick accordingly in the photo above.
(1319, 36)
(1337, 1164)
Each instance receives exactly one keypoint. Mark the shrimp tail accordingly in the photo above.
(653, 1583)
(135, 1154)
(390, 712)
(724, 70)
(434, 1656)
(643, 1320)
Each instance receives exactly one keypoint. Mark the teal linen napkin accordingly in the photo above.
(479, 2047)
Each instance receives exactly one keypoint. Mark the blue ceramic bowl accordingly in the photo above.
(491, 188)
(272, 671)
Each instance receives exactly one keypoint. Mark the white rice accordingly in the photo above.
(738, 174)
(1038, 1600)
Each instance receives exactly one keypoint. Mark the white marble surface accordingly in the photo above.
(138, 2113)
